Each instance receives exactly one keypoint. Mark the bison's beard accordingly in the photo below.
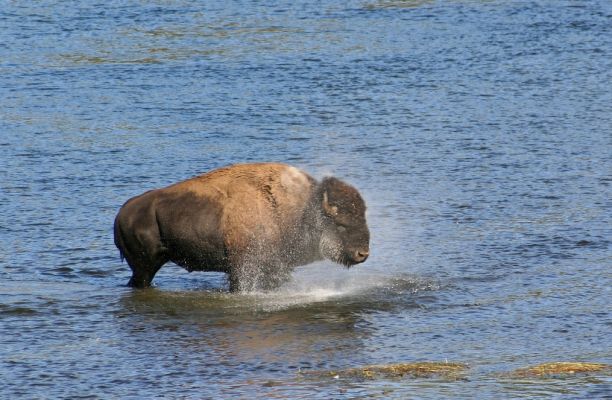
(331, 248)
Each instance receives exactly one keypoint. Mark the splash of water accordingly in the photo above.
(325, 282)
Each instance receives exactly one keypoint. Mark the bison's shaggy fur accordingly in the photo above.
(254, 222)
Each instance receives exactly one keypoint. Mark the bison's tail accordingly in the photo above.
(119, 239)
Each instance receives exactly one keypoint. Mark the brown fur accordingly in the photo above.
(253, 221)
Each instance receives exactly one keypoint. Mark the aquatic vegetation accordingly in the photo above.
(559, 368)
(382, 4)
(400, 370)
(453, 370)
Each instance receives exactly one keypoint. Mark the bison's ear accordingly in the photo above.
(329, 209)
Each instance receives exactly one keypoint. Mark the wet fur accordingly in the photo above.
(255, 222)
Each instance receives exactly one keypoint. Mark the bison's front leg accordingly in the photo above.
(255, 262)
(258, 276)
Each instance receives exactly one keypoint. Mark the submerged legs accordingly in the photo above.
(249, 277)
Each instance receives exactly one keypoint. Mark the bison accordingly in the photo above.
(255, 222)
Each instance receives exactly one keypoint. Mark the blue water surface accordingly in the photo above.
(479, 133)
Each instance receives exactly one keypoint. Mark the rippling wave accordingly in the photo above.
(478, 133)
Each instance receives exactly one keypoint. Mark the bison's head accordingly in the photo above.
(345, 237)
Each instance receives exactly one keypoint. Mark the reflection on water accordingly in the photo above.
(477, 131)
(303, 293)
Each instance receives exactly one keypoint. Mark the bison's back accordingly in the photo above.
(281, 185)
(262, 193)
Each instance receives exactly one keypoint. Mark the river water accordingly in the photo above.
(479, 133)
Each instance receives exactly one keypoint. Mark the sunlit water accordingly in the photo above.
(479, 132)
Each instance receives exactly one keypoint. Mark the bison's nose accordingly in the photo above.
(361, 255)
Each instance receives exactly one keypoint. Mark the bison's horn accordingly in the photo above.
(329, 209)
